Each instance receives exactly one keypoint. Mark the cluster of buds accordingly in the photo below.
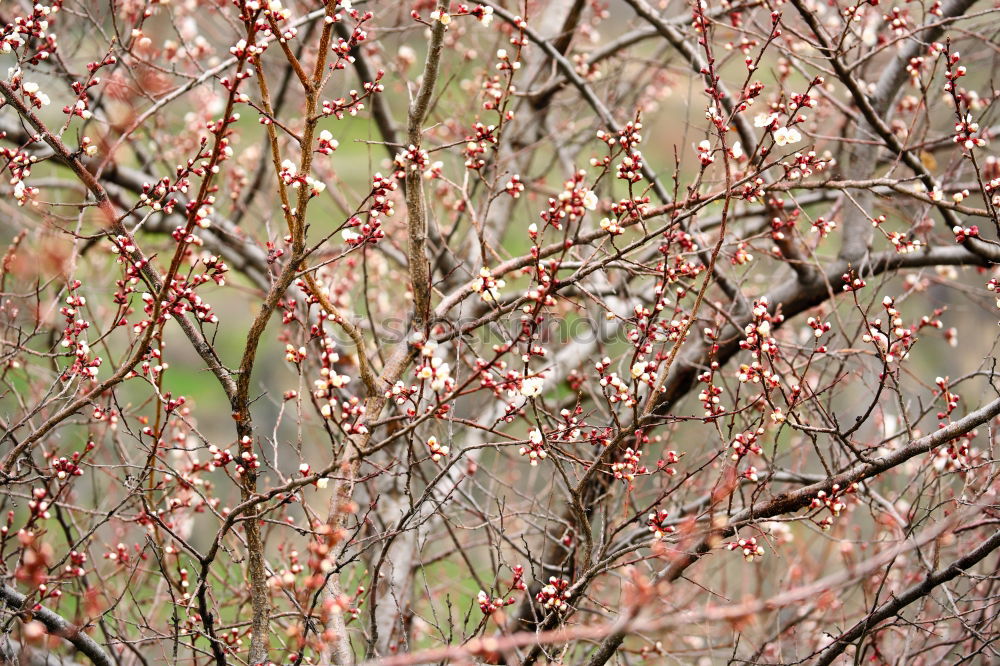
(514, 186)
(709, 396)
(155, 195)
(286, 577)
(950, 399)
(896, 18)
(183, 296)
(244, 50)
(994, 286)
(247, 459)
(740, 256)
(517, 583)
(895, 340)
(572, 425)
(120, 554)
(628, 467)
(571, 204)
(554, 595)
(34, 27)
(902, 243)
(412, 159)
(746, 443)
(293, 355)
(81, 107)
(400, 393)
(752, 190)
(644, 371)
(477, 144)
(780, 223)
(823, 226)
(612, 226)
(952, 73)
(482, 14)
(657, 523)
(444, 18)
(633, 208)
(434, 369)
(328, 388)
(489, 605)
(535, 449)
(619, 389)
(963, 234)
(991, 174)
(630, 167)
(381, 197)
(757, 373)
(75, 568)
(64, 468)
(852, 282)
(220, 457)
(965, 133)
(327, 144)
(19, 163)
(914, 67)
(819, 329)
(290, 176)
(749, 547)
(705, 155)
(832, 501)
(438, 451)
(342, 48)
(803, 165)
(73, 337)
(355, 233)
(39, 505)
(109, 416)
(505, 63)
(758, 340)
(354, 103)
(804, 100)
(487, 286)
(495, 91)
(957, 455)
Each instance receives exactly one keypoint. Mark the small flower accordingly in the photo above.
(736, 150)
(764, 120)
(316, 187)
(535, 452)
(786, 135)
(443, 17)
(531, 386)
(590, 200)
